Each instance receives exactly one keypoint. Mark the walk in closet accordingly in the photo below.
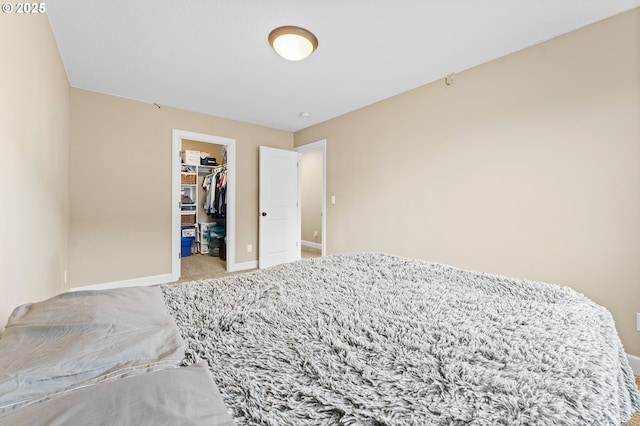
(203, 173)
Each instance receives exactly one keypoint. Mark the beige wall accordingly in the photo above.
(311, 194)
(34, 133)
(526, 166)
(120, 170)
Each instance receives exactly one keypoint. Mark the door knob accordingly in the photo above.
(264, 213)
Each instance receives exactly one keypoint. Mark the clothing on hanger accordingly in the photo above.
(215, 186)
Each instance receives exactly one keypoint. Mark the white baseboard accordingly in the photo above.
(136, 282)
(312, 245)
(155, 279)
(634, 362)
(253, 264)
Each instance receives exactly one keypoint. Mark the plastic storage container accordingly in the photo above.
(191, 157)
(188, 231)
(216, 237)
(214, 246)
(187, 243)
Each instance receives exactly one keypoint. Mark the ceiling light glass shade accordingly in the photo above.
(293, 43)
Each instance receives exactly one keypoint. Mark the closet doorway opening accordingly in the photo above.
(203, 202)
(313, 183)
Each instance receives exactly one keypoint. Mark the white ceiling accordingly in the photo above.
(212, 56)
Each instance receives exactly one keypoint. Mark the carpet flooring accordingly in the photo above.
(202, 266)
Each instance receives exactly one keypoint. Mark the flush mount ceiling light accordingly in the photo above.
(293, 43)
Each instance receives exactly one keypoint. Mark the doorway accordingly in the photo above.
(313, 185)
(176, 222)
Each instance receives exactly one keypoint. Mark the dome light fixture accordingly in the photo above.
(293, 43)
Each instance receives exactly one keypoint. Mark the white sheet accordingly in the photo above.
(179, 396)
(87, 335)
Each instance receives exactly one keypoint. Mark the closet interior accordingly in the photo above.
(203, 173)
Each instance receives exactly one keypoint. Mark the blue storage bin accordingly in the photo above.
(187, 243)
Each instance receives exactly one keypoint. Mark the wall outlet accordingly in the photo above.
(249, 248)
(315, 233)
(637, 321)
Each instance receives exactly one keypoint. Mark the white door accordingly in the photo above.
(279, 231)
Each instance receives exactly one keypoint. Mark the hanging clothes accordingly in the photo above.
(222, 193)
(206, 185)
(215, 186)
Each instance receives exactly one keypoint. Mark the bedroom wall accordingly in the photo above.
(120, 169)
(311, 194)
(34, 132)
(526, 166)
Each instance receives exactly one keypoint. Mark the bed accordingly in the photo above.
(366, 338)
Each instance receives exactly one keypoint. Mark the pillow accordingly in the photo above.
(179, 396)
(78, 336)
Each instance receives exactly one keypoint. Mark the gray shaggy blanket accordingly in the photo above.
(371, 339)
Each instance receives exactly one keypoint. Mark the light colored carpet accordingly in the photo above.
(202, 266)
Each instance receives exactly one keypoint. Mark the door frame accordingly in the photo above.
(322, 145)
(176, 146)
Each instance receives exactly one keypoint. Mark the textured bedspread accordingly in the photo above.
(377, 339)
